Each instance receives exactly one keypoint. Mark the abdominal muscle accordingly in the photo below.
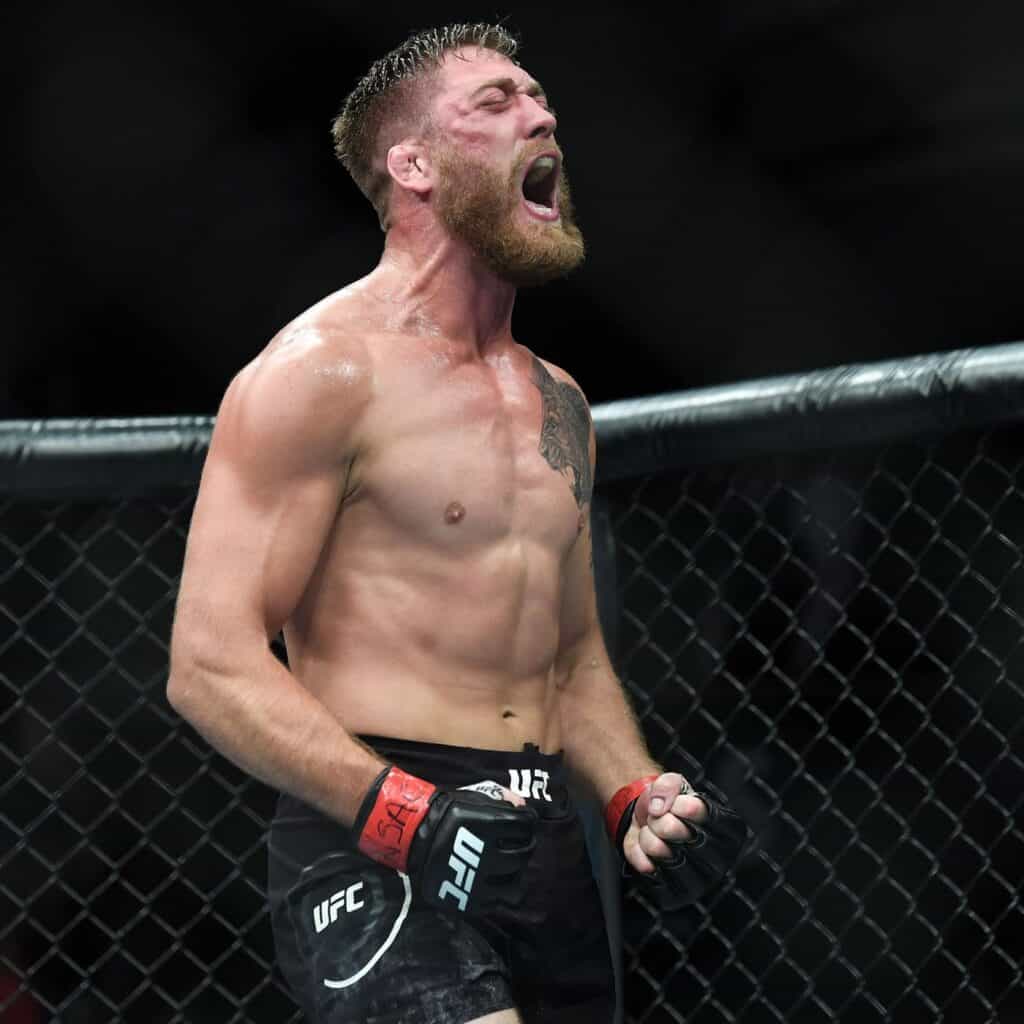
(422, 657)
(382, 700)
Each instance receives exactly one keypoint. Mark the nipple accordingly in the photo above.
(454, 513)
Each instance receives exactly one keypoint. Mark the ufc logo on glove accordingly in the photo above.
(408, 824)
(465, 859)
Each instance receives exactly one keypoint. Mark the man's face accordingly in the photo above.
(501, 186)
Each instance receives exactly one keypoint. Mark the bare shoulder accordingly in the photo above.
(544, 369)
(303, 396)
(562, 396)
(553, 371)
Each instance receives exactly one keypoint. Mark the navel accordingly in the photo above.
(454, 513)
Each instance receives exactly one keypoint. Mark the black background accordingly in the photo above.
(765, 187)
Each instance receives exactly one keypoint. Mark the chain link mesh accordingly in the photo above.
(132, 864)
(835, 641)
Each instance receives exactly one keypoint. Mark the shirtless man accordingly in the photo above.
(404, 490)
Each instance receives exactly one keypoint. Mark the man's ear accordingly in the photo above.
(410, 167)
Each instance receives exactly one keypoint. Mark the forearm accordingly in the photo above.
(600, 735)
(260, 717)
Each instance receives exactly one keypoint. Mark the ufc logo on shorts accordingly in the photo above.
(465, 859)
(530, 782)
(326, 913)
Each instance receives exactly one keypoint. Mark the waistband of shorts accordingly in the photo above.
(540, 778)
(456, 764)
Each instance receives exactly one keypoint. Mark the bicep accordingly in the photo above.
(252, 549)
(267, 502)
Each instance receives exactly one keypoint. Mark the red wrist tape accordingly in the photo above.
(622, 799)
(402, 803)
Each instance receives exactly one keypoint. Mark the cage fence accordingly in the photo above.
(829, 633)
(836, 642)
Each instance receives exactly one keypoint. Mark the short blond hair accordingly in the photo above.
(392, 92)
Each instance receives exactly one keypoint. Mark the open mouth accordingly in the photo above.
(540, 187)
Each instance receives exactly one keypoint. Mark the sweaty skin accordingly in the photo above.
(404, 490)
(433, 613)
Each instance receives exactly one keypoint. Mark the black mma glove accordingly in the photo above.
(696, 864)
(463, 850)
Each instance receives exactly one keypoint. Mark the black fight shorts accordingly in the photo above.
(357, 945)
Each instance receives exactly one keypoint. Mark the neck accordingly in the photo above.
(436, 279)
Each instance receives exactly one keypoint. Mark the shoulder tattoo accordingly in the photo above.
(565, 432)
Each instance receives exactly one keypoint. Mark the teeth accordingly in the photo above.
(541, 168)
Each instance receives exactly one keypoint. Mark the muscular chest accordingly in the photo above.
(473, 455)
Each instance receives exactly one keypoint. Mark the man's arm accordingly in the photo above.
(271, 489)
(600, 734)
(601, 737)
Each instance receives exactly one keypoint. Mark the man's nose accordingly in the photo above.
(542, 122)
